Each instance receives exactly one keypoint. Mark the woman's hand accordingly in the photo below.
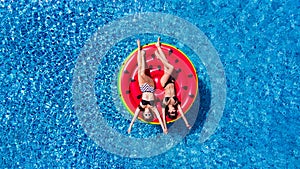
(189, 126)
(129, 130)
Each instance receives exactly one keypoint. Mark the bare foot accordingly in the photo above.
(165, 131)
(158, 42)
(188, 126)
(138, 42)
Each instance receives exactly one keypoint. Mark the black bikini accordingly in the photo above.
(170, 80)
(174, 97)
(145, 103)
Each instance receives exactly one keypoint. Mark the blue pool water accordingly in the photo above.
(41, 43)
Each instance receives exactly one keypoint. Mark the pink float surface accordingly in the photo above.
(186, 83)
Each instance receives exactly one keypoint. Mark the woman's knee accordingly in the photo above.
(142, 73)
(171, 68)
(164, 79)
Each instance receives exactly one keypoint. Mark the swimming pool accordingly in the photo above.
(257, 43)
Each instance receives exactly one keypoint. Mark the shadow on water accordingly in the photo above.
(196, 115)
(204, 95)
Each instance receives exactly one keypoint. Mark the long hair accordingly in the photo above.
(168, 113)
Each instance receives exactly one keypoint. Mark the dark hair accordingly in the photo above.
(147, 72)
(168, 113)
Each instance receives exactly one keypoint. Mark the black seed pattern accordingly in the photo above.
(170, 51)
(126, 71)
(159, 67)
(176, 61)
(190, 75)
(132, 80)
(153, 56)
(139, 96)
(185, 87)
(191, 95)
(128, 91)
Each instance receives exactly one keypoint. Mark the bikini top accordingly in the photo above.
(170, 80)
(168, 98)
(147, 88)
(174, 97)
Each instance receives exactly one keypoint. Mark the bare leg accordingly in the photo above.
(142, 77)
(141, 65)
(168, 69)
(167, 66)
(160, 51)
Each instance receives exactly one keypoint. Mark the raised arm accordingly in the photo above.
(163, 111)
(136, 113)
(183, 117)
